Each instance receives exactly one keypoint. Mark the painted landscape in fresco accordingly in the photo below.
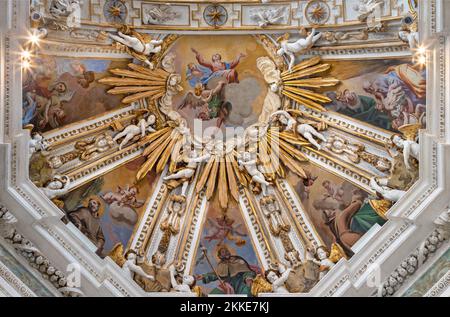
(6, 258)
(431, 277)
(386, 93)
(107, 209)
(222, 70)
(226, 262)
(57, 91)
(339, 210)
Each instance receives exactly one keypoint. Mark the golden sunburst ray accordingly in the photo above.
(137, 82)
(289, 155)
(159, 147)
(232, 183)
(297, 83)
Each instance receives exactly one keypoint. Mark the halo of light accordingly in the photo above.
(421, 50)
(26, 64)
(422, 59)
(26, 54)
(34, 38)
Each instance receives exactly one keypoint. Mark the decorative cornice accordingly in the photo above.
(417, 258)
(35, 258)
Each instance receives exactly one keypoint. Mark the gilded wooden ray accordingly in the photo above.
(137, 83)
(297, 81)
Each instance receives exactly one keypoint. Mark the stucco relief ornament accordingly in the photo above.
(115, 11)
(367, 8)
(215, 15)
(317, 12)
(159, 14)
(269, 16)
(91, 148)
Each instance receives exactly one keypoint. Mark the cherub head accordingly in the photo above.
(55, 183)
(280, 51)
(198, 89)
(151, 119)
(403, 35)
(158, 259)
(188, 280)
(131, 256)
(271, 276)
(397, 140)
(321, 253)
(60, 87)
(37, 136)
(274, 87)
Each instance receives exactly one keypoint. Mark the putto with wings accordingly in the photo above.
(208, 103)
(225, 228)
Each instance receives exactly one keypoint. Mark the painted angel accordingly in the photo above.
(208, 102)
(224, 228)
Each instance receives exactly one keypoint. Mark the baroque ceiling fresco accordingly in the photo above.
(224, 148)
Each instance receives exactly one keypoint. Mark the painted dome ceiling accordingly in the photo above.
(240, 148)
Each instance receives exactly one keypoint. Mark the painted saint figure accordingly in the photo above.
(233, 272)
(219, 68)
(87, 220)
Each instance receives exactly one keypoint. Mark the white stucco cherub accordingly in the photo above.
(307, 131)
(138, 45)
(185, 286)
(248, 161)
(131, 268)
(278, 281)
(323, 261)
(386, 192)
(410, 149)
(37, 143)
(299, 46)
(58, 186)
(410, 37)
(192, 160)
(132, 130)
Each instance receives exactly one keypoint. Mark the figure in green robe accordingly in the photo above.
(235, 274)
(365, 218)
(362, 108)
